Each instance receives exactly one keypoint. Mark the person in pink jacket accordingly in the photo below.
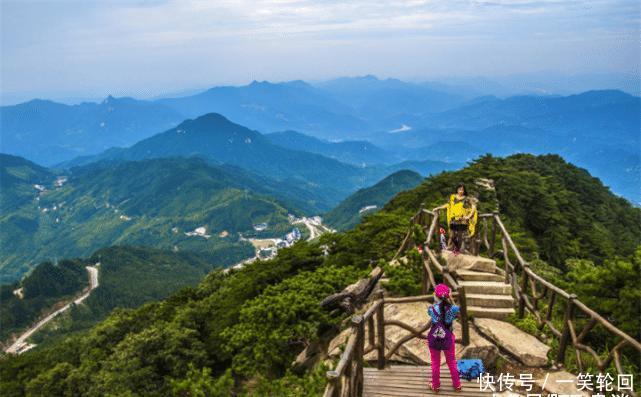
(441, 338)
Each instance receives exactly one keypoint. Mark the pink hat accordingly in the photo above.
(442, 290)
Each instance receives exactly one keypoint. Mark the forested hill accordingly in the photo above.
(237, 333)
(367, 200)
(150, 202)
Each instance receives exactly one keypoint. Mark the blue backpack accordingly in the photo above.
(470, 369)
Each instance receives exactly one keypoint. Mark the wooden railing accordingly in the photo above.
(529, 290)
(368, 334)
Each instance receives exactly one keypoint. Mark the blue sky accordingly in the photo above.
(146, 48)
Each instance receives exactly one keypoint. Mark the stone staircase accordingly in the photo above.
(487, 294)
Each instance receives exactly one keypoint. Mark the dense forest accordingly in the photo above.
(152, 202)
(129, 277)
(23, 302)
(238, 332)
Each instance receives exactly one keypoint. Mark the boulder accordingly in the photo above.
(525, 347)
(309, 357)
(555, 384)
(415, 351)
(468, 262)
(480, 348)
(337, 344)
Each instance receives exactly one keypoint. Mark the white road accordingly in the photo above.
(314, 225)
(20, 345)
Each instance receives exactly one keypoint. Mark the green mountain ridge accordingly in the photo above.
(215, 138)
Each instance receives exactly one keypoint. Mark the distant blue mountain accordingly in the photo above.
(49, 132)
(215, 138)
(352, 152)
(591, 115)
(268, 107)
(390, 99)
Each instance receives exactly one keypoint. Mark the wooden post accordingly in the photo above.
(380, 332)
(548, 316)
(464, 320)
(565, 334)
(334, 380)
(348, 377)
(371, 337)
(359, 325)
(493, 236)
(523, 291)
(485, 240)
(506, 260)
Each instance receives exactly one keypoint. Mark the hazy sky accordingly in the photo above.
(149, 47)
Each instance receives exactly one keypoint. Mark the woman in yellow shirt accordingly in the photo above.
(461, 216)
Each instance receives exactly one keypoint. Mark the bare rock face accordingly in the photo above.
(468, 262)
(525, 347)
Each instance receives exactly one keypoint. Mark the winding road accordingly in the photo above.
(20, 345)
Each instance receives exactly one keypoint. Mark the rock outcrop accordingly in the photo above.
(525, 347)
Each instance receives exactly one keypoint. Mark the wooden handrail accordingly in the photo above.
(608, 325)
(509, 239)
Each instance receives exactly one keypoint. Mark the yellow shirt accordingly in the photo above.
(459, 208)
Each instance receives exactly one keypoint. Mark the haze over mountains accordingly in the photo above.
(396, 120)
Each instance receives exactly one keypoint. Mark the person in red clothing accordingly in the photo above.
(441, 338)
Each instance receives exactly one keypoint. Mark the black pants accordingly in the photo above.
(458, 229)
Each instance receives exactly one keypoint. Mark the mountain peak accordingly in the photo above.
(212, 117)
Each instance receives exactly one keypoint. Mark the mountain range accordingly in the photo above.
(48, 132)
(407, 121)
(216, 139)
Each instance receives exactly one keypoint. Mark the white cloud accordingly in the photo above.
(62, 45)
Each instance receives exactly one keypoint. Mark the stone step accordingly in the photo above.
(489, 300)
(468, 262)
(497, 313)
(486, 287)
(469, 275)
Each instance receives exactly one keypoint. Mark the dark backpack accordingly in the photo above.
(439, 336)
